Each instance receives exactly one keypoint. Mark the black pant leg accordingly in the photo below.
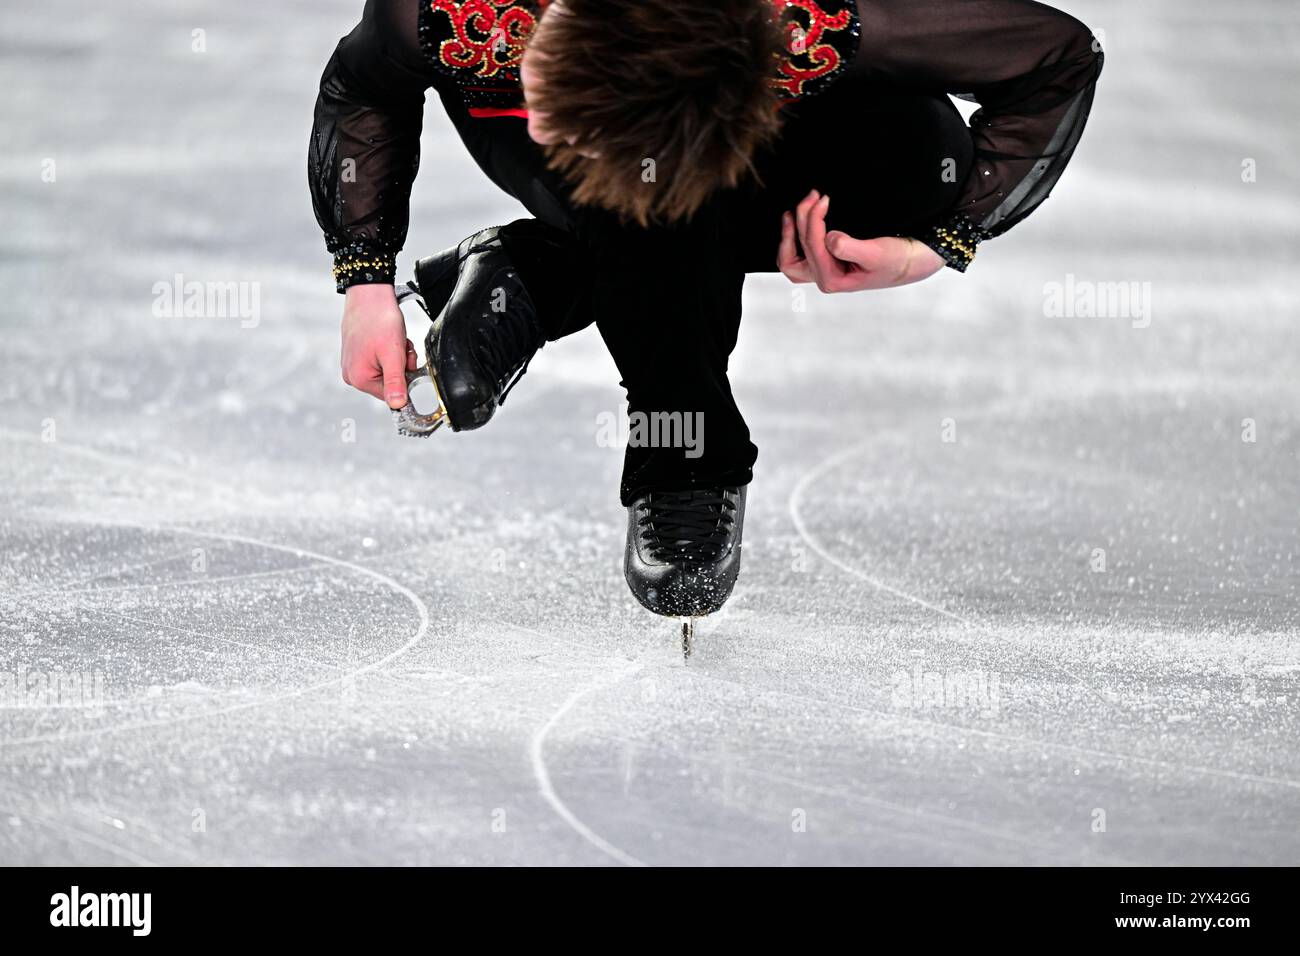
(552, 260)
(667, 300)
(667, 303)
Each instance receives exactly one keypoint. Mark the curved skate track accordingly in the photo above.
(1067, 635)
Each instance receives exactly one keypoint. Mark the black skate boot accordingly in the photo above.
(484, 333)
(683, 550)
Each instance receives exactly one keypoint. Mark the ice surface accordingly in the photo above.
(310, 649)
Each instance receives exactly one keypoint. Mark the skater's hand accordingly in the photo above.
(839, 263)
(376, 352)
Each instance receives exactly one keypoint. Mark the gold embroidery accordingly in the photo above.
(809, 53)
(488, 36)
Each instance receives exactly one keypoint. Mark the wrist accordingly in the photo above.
(371, 292)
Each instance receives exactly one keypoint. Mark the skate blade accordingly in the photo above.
(412, 424)
(688, 637)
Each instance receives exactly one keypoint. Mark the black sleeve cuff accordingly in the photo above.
(357, 263)
(955, 241)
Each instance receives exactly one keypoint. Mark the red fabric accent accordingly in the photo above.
(488, 36)
(806, 56)
(484, 112)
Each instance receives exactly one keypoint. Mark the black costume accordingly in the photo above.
(866, 121)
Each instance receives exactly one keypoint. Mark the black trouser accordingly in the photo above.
(667, 299)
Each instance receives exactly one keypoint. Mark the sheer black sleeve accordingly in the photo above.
(1031, 68)
(365, 142)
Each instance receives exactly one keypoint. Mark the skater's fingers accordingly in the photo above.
(393, 364)
(373, 387)
(813, 237)
(799, 274)
(788, 260)
(412, 360)
(871, 262)
(787, 253)
(866, 254)
(802, 211)
(364, 375)
(365, 379)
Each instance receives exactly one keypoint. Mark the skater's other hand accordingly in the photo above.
(839, 263)
(376, 352)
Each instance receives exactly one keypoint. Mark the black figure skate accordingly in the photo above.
(484, 333)
(683, 552)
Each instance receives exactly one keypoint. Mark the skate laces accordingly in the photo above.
(687, 527)
(507, 343)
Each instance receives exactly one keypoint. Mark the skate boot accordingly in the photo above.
(484, 333)
(683, 551)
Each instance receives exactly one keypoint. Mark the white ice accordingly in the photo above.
(319, 643)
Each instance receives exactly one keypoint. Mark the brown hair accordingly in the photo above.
(685, 83)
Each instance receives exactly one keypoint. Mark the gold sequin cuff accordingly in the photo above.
(354, 265)
(955, 241)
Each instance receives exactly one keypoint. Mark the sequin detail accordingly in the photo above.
(356, 263)
(479, 44)
(821, 40)
(955, 240)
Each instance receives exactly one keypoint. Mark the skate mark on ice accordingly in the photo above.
(992, 409)
(283, 372)
(929, 818)
(74, 587)
(76, 834)
(421, 609)
(942, 729)
(230, 503)
(921, 835)
(88, 817)
(310, 661)
(142, 831)
(536, 754)
(838, 458)
(40, 590)
(1076, 749)
(591, 652)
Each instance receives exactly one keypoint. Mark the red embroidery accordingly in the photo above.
(809, 58)
(485, 40)
(488, 112)
(488, 36)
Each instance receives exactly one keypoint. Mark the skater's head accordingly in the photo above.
(649, 107)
